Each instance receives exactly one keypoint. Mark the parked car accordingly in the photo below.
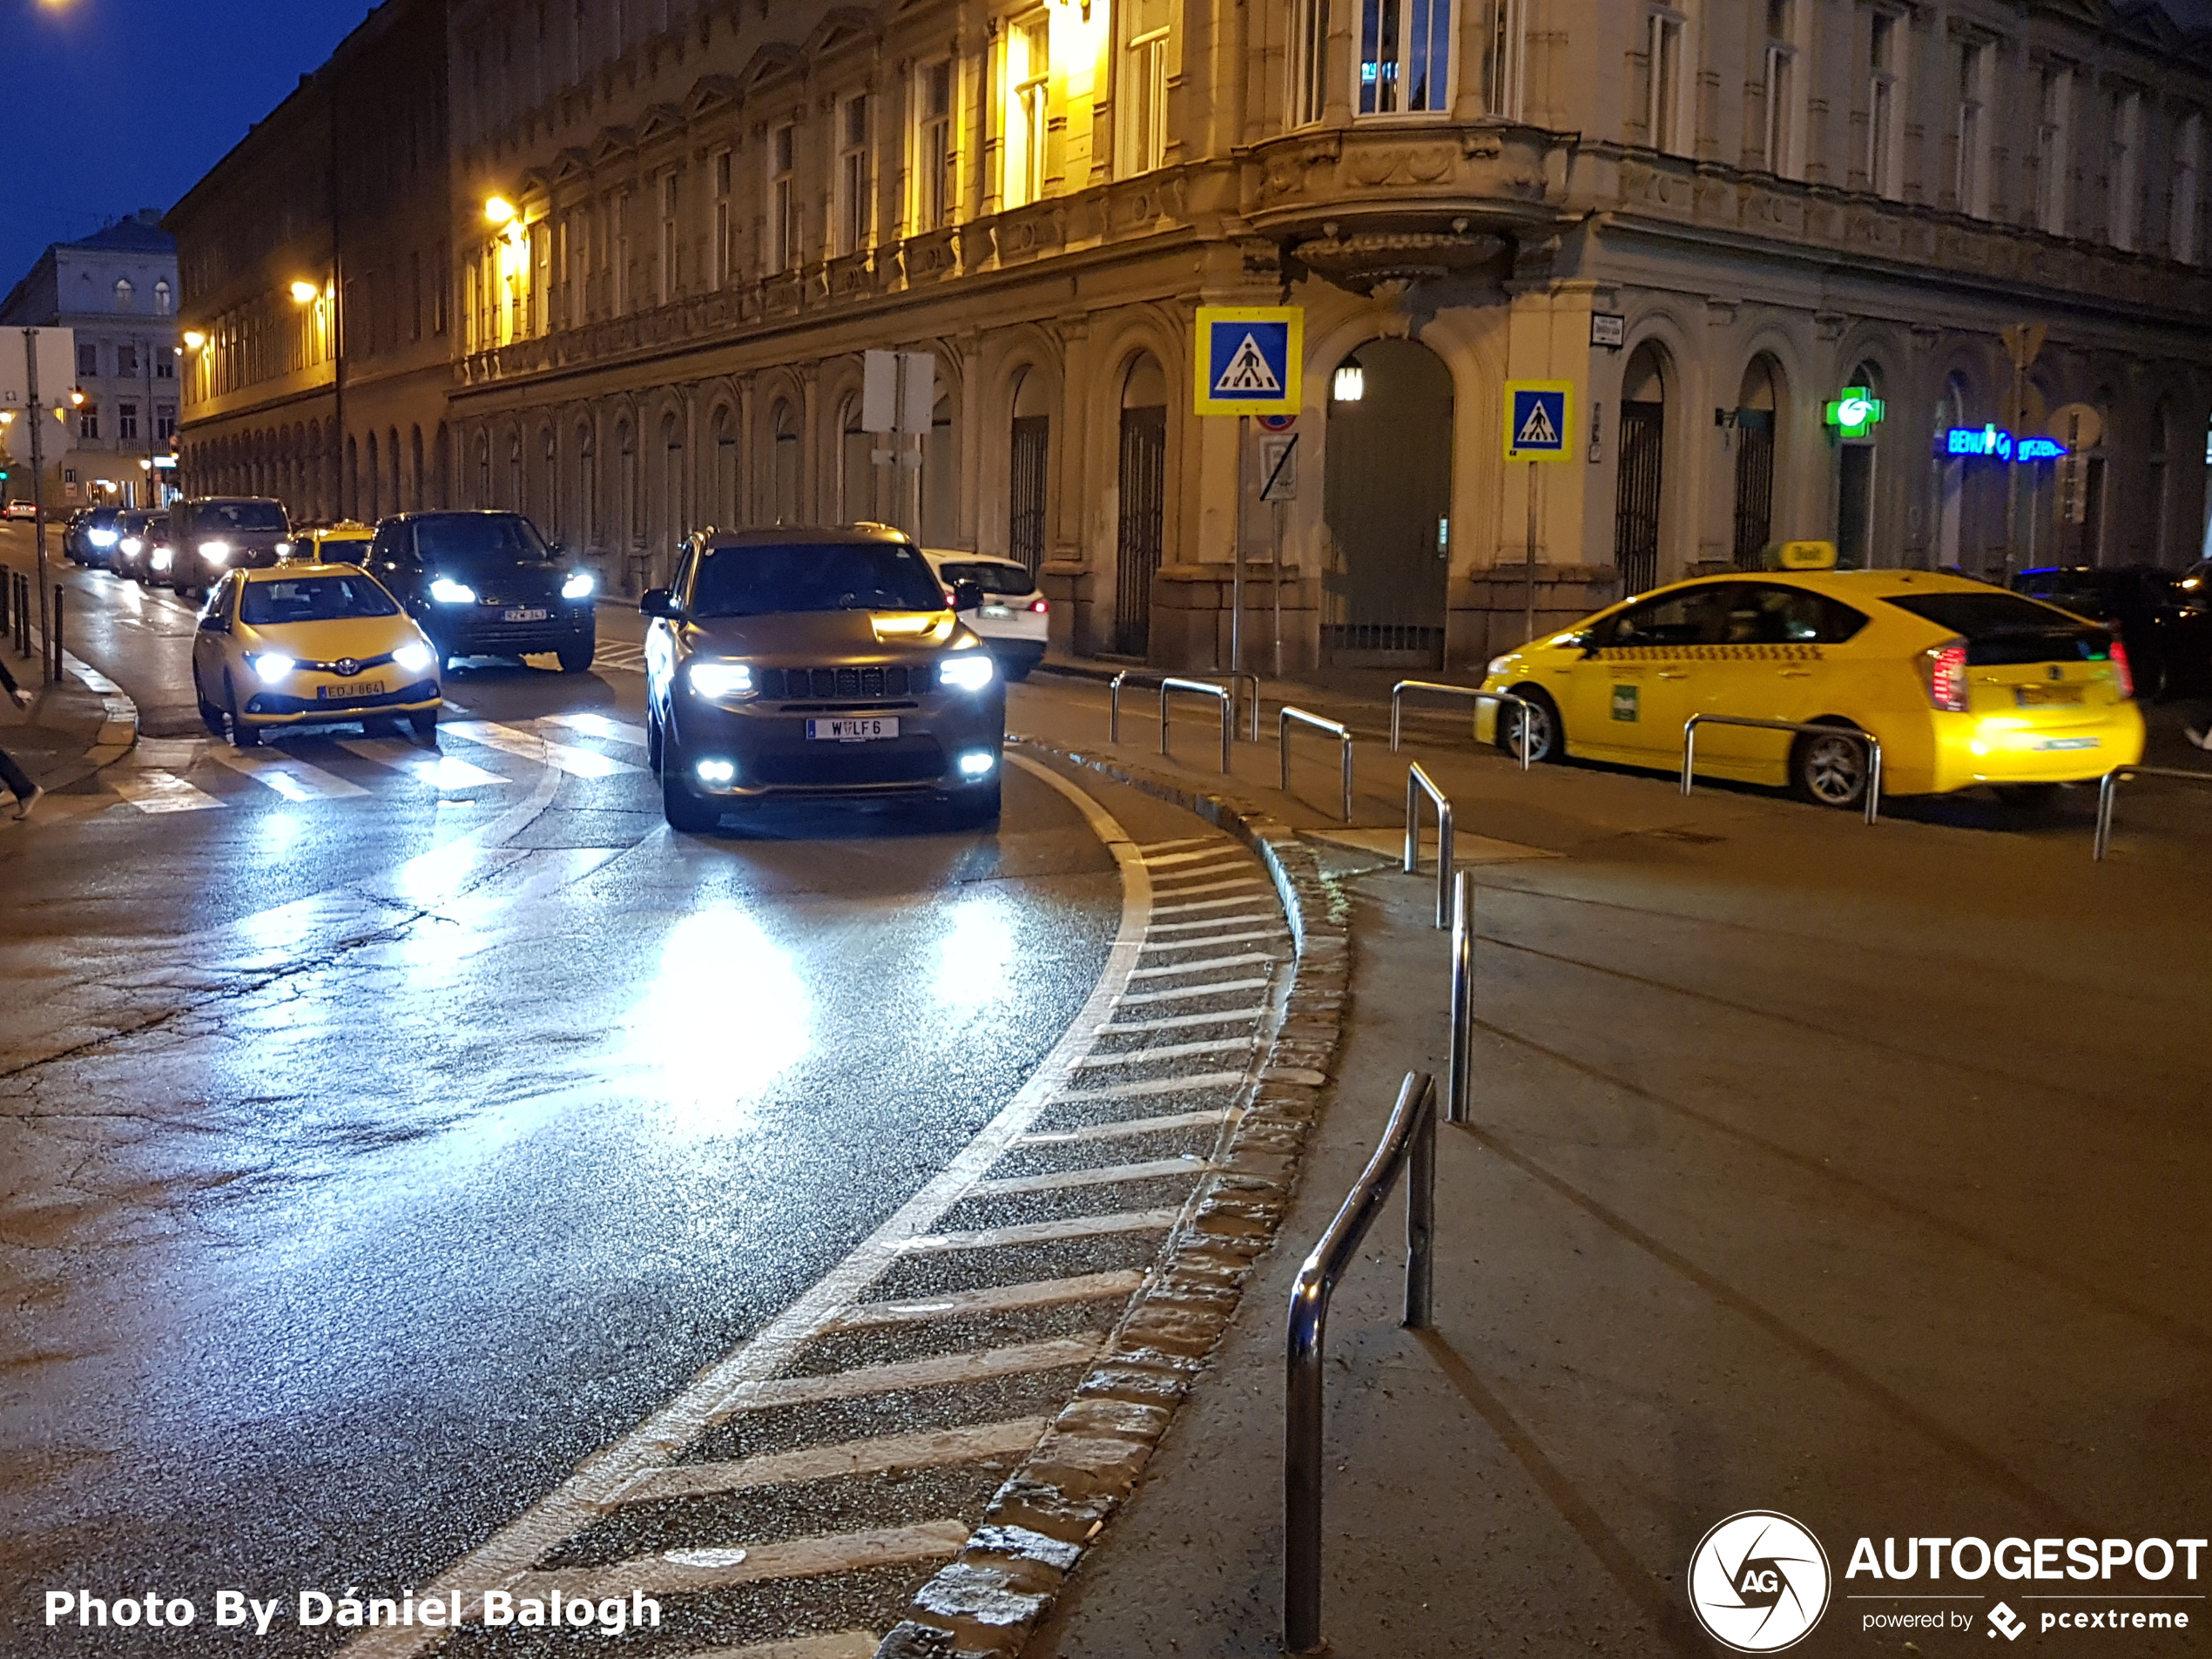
(1011, 617)
(19, 510)
(2168, 637)
(487, 584)
(218, 533)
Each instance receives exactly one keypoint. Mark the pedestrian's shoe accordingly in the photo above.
(23, 805)
(2201, 739)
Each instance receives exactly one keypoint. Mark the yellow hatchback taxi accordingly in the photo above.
(345, 542)
(306, 644)
(1961, 683)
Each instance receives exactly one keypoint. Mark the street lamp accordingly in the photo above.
(305, 293)
(194, 339)
(498, 209)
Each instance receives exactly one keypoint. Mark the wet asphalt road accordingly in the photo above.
(351, 1196)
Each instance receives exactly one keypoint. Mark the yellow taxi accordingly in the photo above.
(1961, 683)
(344, 542)
(306, 644)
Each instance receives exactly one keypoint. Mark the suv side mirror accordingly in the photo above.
(968, 596)
(657, 602)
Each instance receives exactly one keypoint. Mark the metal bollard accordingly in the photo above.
(57, 654)
(1458, 1082)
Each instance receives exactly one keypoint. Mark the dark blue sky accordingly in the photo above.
(118, 104)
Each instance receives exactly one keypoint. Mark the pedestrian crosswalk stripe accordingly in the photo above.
(599, 725)
(1121, 1128)
(294, 779)
(843, 1644)
(1178, 1021)
(624, 658)
(1216, 923)
(937, 1371)
(151, 790)
(577, 763)
(1165, 1051)
(1187, 993)
(1109, 1174)
(439, 770)
(668, 1573)
(991, 1298)
(1249, 958)
(1045, 1232)
(929, 1448)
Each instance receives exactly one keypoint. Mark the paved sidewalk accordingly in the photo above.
(1855, 1173)
(72, 728)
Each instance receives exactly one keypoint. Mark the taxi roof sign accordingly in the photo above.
(1808, 556)
(1248, 359)
(1539, 419)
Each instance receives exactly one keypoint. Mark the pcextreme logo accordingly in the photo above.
(1758, 1582)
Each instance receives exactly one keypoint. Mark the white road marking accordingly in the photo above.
(1151, 847)
(1211, 939)
(936, 1371)
(440, 772)
(1180, 1022)
(845, 1644)
(619, 654)
(528, 746)
(151, 790)
(1203, 904)
(1106, 1176)
(932, 1449)
(992, 1299)
(1153, 1086)
(1126, 1127)
(294, 779)
(1249, 958)
(1185, 993)
(849, 1552)
(1213, 887)
(1261, 919)
(1165, 1051)
(599, 725)
(1048, 1232)
(1187, 864)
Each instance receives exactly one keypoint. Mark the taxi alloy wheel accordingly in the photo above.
(1829, 771)
(1539, 727)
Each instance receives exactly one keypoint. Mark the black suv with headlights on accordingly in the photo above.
(816, 662)
(487, 584)
(210, 535)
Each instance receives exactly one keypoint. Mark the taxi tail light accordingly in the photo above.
(2122, 673)
(1943, 671)
(1039, 606)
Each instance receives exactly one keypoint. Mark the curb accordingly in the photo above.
(985, 1603)
(117, 735)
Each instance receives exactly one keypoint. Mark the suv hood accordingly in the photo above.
(816, 637)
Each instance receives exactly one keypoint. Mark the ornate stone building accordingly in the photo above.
(1709, 217)
(319, 344)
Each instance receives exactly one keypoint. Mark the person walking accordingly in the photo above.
(18, 781)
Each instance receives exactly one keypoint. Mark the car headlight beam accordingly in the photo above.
(969, 673)
(214, 552)
(446, 591)
(272, 665)
(718, 682)
(578, 586)
(414, 656)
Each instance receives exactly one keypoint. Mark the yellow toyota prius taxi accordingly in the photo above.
(1961, 683)
(306, 644)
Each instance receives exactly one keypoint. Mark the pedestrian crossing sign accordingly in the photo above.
(1539, 417)
(1248, 359)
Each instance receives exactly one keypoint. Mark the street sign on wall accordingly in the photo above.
(1539, 419)
(1248, 359)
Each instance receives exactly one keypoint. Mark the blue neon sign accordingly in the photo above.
(1997, 444)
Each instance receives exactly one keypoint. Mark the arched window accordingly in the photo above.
(161, 297)
(125, 293)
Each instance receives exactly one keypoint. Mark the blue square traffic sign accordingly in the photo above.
(1248, 359)
(1538, 421)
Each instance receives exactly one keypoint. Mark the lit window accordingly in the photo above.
(1029, 73)
(783, 198)
(161, 298)
(936, 177)
(855, 178)
(1309, 62)
(125, 295)
(1405, 57)
(1142, 116)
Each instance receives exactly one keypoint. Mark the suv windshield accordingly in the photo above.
(992, 576)
(239, 516)
(315, 598)
(813, 575)
(479, 539)
(2001, 627)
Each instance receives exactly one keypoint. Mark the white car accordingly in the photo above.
(1012, 617)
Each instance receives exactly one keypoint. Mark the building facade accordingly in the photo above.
(317, 312)
(117, 291)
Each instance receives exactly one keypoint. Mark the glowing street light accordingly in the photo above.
(194, 339)
(498, 209)
(305, 293)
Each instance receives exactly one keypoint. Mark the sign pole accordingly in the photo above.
(1236, 577)
(1275, 586)
(37, 417)
(1539, 427)
(1532, 550)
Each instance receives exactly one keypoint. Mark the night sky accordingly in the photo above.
(118, 104)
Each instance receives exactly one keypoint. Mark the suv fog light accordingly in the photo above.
(977, 763)
(716, 772)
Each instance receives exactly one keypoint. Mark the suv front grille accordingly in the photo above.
(793, 684)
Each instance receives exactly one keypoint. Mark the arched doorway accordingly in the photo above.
(1758, 404)
(367, 502)
(725, 489)
(940, 479)
(855, 465)
(783, 463)
(1641, 470)
(669, 513)
(1142, 478)
(1854, 485)
(1950, 475)
(1386, 501)
(1029, 471)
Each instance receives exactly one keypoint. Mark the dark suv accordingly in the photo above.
(487, 584)
(211, 535)
(817, 662)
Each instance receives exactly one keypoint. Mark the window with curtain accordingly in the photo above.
(1884, 103)
(855, 177)
(935, 163)
(1970, 180)
(1779, 87)
(1309, 61)
(2180, 234)
(1142, 98)
(782, 252)
(1666, 122)
(1029, 83)
(2053, 149)
(724, 251)
(2125, 167)
(1405, 57)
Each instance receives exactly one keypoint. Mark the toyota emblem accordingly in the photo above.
(347, 667)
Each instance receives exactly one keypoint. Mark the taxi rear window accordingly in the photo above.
(2001, 627)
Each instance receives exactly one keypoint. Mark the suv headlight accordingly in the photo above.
(969, 673)
(214, 552)
(577, 586)
(717, 681)
(446, 591)
(106, 538)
